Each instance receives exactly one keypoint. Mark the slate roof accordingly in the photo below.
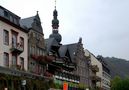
(27, 22)
(72, 48)
(30, 22)
(62, 50)
(51, 42)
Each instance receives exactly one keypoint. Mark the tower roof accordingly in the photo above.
(55, 25)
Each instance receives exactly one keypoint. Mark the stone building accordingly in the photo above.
(36, 46)
(77, 56)
(62, 66)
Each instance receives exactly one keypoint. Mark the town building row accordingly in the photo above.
(25, 57)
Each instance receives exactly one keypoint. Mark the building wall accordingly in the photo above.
(82, 65)
(94, 61)
(36, 48)
(6, 48)
(106, 81)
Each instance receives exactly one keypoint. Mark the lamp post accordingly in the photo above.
(23, 84)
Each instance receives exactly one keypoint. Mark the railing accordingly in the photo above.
(18, 48)
(94, 68)
(43, 59)
(95, 78)
(17, 67)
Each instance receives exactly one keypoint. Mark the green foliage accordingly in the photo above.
(120, 84)
(82, 86)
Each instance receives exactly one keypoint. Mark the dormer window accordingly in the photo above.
(15, 21)
(11, 18)
(5, 13)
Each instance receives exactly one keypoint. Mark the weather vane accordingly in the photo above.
(55, 4)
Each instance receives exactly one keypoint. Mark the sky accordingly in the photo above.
(102, 24)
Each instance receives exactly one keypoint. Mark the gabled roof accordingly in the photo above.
(31, 23)
(72, 50)
(62, 50)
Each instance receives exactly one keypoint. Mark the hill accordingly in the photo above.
(118, 67)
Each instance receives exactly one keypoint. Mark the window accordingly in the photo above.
(5, 13)
(6, 59)
(32, 50)
(11, 18)
(22, 63)
(14, 39)
(22, 42)
(6, 37)
(15, 21)
(14, 60)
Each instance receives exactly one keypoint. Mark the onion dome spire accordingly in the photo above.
(55, 21)
(55, 25)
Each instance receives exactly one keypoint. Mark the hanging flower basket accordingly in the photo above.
(50, 58)
(35, 57)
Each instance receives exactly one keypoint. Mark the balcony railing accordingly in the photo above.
(17, 49)
(95, 78)
(67, 77)
(17, 67)
(43, 59)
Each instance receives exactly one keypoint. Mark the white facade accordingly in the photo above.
(94, 61)
(106, 81)
(6, 48)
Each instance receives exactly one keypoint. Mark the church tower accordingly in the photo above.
(55, 25)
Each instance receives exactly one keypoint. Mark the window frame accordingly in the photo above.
(22, 42)
(5, 38)
(6, 62)
(13, 61)
(22, 61)
(16, 35)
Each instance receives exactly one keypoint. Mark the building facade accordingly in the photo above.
(14, 41)
(61, 67)
(36, 45)
(106, 77)
(95, 70)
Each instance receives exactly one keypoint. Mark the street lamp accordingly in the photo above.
(23, 82)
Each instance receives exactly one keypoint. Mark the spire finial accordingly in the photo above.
(37, 12)
(55, 4)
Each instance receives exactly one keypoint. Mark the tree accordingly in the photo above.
(120, 84)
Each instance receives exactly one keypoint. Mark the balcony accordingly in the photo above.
(18, 49)
(43, 59)
(58, 61)
(95, 78)
(69, 66)
(94, 68)
(17, 67)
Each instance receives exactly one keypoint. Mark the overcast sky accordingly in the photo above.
(102, 24)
